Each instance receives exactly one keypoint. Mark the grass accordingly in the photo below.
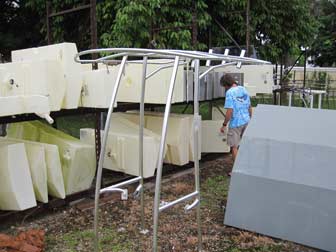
(218, 186)
(214, 195)
(271, 248)
(214, 191)
(82, 240)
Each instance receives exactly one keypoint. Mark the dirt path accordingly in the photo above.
(70, 229)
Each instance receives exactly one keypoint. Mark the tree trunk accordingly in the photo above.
(285, 81)
(194, 25)
(248, 28)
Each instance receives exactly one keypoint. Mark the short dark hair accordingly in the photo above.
(227, 80)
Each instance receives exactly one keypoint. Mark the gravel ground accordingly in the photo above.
(70, 228)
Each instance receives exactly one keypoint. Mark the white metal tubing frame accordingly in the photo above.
(167, 205)
(145, 53)
(157, 53)
(141, 132)
(208, 62)
(121, 184)
(242, 53)
(215, 67)
(196, 161)
(196, 193)
(161, 154)
(102, 152)
(226, 53)
(290, 95)
(161, 68)
(319, 101)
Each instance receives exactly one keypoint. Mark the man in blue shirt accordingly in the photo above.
(238, 114)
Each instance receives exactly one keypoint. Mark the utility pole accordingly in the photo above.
(248, 28)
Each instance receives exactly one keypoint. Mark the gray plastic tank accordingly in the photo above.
(284, 179)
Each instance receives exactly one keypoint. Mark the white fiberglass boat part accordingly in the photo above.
(16, 187)
(39, 77)
(190, 127)
(193, 122)
(13, 100)
(72, 72)
(38, 170)
(16, 105)
(178, 135)
(156, 86)
(212, 139)
(54, 171)
(257, 79)
(78, 159)
(122, 152)
(54, 175)
(123, 143)
(97, 88)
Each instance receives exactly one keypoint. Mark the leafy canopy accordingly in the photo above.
(277, 27)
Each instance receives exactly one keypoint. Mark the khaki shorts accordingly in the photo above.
(234, 135)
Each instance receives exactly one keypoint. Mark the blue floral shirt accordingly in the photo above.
(238, 99)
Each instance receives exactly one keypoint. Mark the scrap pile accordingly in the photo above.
(29, 241)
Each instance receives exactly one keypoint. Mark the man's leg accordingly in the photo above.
(234, 137)
(234, 151)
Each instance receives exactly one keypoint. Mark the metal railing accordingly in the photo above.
(179, 58)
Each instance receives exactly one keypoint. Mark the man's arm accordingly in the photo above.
(228, 116)
(229, 110)
(250, 111)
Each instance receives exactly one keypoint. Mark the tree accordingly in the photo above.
(72, 27)
(130, 23)
(159, 23)
(324, 48)
(282, 27)
(277, 27)
(18, 27)
(230, 14)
